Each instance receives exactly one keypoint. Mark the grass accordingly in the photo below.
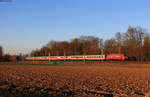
(125, 64)
(22, 63)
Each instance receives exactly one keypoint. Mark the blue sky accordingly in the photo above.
(29, 24)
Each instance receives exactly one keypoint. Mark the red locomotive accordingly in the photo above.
(115, 57)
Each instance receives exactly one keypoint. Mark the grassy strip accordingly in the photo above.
(23, 63)
(107, 64)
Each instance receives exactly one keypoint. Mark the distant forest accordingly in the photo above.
(134, 43)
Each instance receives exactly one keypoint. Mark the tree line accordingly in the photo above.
(10, 58)
(134, 43)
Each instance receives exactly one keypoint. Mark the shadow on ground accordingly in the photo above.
(10, 90)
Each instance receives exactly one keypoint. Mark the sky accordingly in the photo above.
(26, 25)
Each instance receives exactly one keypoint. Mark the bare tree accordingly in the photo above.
(118, 38)
(110, 46)
(134, 42)
(90, 45)
(146, 47)
(101, 46)
(75, 47)
(1, 53)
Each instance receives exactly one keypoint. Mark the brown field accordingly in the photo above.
(74, 81)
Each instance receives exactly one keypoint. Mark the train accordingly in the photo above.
(102, 57)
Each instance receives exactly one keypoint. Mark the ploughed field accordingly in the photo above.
(74, 81)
